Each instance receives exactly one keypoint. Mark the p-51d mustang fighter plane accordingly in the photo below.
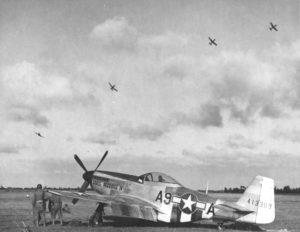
(39, 134)
(212, 41)
(112, 87)
(157, 197)
(273, 27)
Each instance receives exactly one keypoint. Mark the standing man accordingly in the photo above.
(55, 203)
(39, 205)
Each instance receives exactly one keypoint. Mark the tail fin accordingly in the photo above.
(259, 198)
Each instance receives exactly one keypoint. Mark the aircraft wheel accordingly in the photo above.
(220, 227)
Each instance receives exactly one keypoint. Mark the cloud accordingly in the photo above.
(28, 92)
(271, 111)
(208, 115)
(177, 66)
(144, 131)
(213, 157)
(25, 83)
(116, 34)
(240, 141)
(69, 139)
(211, 116)
(287, 61)
(10, 149)
(102, 138)
(223, 157)
(292, 135)
(248, 84)
(244, 85)
(28, 114)
(164, 44)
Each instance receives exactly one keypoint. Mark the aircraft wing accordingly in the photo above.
(123, 199)
(82, 196)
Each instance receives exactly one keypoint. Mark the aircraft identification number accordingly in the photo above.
(167, 196)
(261, 204)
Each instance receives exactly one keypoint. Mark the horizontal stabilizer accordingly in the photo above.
(233, 206)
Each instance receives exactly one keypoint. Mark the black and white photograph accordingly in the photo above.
(149, 115)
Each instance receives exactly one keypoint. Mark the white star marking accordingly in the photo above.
(188, 203)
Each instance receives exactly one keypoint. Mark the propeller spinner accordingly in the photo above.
(87, 176)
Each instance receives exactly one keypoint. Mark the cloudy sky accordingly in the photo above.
(197, 112)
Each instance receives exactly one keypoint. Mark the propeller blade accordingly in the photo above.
(87, 176)
(80, 162)
(103, 157)
(84, 186)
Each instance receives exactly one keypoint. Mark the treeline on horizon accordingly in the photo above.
(285, 190)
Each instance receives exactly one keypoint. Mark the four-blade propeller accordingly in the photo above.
(88, 175)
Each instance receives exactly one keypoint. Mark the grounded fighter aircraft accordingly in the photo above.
(212, 41)
(39, 134)
(112, 87)
(157, 197)
(273, 27)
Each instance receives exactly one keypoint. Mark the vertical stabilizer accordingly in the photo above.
(259, 198)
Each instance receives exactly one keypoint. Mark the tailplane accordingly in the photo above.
(258, 198)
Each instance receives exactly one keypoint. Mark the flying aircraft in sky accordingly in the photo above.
(39, 134)
(157, 197)
(212, 41)
(273, 27)
(112, 87)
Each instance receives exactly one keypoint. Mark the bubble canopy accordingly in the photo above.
(157, 177)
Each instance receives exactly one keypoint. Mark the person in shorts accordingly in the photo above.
(56, 208)
(39, 205)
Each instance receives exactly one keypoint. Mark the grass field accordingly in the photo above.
(15, 207)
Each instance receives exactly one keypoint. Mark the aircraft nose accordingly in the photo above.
(87, 176)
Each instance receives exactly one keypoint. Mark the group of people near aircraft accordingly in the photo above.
(39, 202)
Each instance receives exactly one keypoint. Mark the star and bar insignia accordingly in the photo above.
(188, 203)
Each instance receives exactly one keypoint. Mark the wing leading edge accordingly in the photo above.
(121, 205)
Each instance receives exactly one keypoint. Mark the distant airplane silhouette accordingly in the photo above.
(112, 87)
(39, 134)
(273, 27)
(212, 41)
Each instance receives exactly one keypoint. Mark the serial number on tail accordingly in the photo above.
(261, 204)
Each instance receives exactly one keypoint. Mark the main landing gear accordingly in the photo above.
(97, 218)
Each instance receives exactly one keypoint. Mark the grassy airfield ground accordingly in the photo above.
(15, 207)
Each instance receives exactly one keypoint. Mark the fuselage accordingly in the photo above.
(176, 203)
(158, 197)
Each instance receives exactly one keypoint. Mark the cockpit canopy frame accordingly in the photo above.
(157, 177)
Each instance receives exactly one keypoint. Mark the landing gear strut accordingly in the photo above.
(96, 219)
